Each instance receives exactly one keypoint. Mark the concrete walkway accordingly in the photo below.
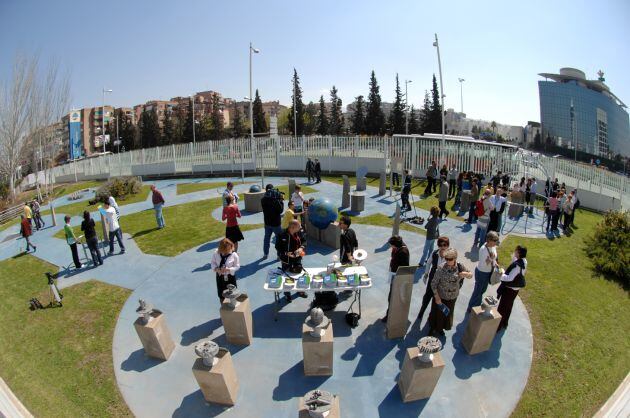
(366, 365)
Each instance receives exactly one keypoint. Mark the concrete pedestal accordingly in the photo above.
(318, 352)
(291, 188)
(400, 299)
(465, 201)
(312, 232)
(253, 201)
(335, 411)
(361, 184)
(514, 211)
(357, 202)
(331, 236)
(480, 330)
(345, 198)
(218, 383)
(396, 223)
(382, 185)
(237, 322)
(417, 378)
(155, 336)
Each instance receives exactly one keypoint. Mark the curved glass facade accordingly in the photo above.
(601, 125)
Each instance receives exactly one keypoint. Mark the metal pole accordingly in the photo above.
(251, 115)
(192, 98)
(294, 109)
(461, 93)
(103, 121)
(406, 109)
(437, 45)
(117, 136)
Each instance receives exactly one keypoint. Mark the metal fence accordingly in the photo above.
(346, 154)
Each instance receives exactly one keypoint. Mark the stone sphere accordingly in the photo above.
(254, 188)
(321, 213)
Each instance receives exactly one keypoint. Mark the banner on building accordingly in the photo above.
(74, 129)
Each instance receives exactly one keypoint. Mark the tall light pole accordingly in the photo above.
(253, 50)
(103, 116)
(461, 92)
(192, 99)
(406, 108)
(294, 110)
(436, 44)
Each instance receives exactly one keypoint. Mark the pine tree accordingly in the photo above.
(425, 117)
(216, 119)
(296, 97)
(260, 122)
(336, 117)
(167, 127)
(322, 120)
(358, 117)
(150, 132)
(188, 124)
(435, 115)
(237, 123)
(310, 119)
(397, 115)
(375, 119)
(413, 121)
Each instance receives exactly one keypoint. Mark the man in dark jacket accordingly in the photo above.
(310, 168)
(290, 246)
(272, 206)
(348, 240)
(318, 171)
(437, 259)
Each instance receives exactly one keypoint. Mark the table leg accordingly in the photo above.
(276, 296)
(359, 294)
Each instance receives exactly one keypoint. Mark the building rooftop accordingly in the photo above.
(573, 74)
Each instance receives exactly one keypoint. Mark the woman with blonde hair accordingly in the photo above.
(225, 263)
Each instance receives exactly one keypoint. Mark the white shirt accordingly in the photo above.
(298, 199)
(453, 173)
(485, 254)
(112, 219)
(113, 204)
(515, 271)
(532, 188)
(227, 193)
(232, 263)
(497, 202)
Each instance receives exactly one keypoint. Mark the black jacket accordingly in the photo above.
(399, 258)
(318, 167)
(272, 209)
(348, 243)
(285, 243)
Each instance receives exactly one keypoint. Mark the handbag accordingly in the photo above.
(495, 277)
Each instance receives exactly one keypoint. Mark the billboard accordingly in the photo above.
(74, 129)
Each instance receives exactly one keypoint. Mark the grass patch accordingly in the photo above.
(185, 188)
(9, 224)
(77, 208)
(184, 229)
(59, 361)
(580, 325)
(77, 231)
(370, 181)
(426, 202)
(305, 189)
(379, 219)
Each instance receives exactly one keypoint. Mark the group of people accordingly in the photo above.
(30, 217)
(313, 170)
(559, 206)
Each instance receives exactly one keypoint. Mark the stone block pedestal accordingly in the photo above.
(397, 319)
(361, 184)
(417, 378)
(218, 383)
(335, 411)
(237, 322)
(253, 201)
(331, 236)
(318, 352)
(345, 197)
(480, 330)
(514, 211)
(357, 202)
(155, 336)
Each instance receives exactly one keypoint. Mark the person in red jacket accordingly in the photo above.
(26, 231)
(158, 203)
(232, 230)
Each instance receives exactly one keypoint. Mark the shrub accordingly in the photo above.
(119, 188)
(609, 244)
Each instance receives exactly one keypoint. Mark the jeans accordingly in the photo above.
(471, 212)
(452, 191)
(429, 245)
(118, 234)
(482, 280)
(276, 230)
(75, 255)
(158, 215)
(92, 244)
(480, 234)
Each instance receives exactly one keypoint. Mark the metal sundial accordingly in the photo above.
(231, 293)
(318, 402)
(207, 350)
(488, 303)
(318, 321)
(427, 347)
(144, 311)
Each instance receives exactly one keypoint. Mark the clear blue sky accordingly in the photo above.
(158, 49)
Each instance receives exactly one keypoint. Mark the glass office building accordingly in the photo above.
(574, 109)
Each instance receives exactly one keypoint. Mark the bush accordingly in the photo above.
(609, 244)
(119, 188)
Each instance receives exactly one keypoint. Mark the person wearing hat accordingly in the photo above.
(228, 192)
(272, 206)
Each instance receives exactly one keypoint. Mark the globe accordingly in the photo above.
(321, 213)
(254, 188)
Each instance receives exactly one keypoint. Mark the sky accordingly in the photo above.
(159, 49)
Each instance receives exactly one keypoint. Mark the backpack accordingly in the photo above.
(479, 210)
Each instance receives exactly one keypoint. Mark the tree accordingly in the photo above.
(375, 119)
(188, 122)
(296, 97)
(322, 120)
(127, 132)
(396, 123)
(237, 123)
(260, 123)
(493, 126)
(413, 121)
(358, 117)
(216, 119)
(149, 129)
(168, 127)
(310, 119)
(434, 124)
(335, 126)
(425, 119)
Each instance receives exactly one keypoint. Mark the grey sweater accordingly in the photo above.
(433, 227)
(443, 191)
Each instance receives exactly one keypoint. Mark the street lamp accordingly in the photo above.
(437, 46)
(407, 108)
(253, 50)
(461, 92)
(103, 116)
(192, 99)
(294, 112)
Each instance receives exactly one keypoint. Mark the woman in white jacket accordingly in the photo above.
(225, 262)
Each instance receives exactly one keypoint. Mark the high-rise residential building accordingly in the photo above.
(160, 107)
(575, 110)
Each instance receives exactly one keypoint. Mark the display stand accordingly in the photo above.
(480, 331)
(318, 352)
(237, 321)
(418, 378)
(335, 411)
(218, 382)
(399, 302)
(345, 198)
(155, 336)
(382, 185)
(253, 202)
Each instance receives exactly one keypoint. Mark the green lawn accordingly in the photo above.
(64, 189)
(580, 325)
(58, 361)
(184, 188)
(426, 202)
(76, 209)
(371, 181)
(380, 219)
(9, 223)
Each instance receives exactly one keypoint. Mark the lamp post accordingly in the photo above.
(192, 100)
(461, 92)
(294, 112)
(406, 108)
(253, 50)
(103, 116)
(436, 44)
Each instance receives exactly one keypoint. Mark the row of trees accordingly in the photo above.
(367, 117)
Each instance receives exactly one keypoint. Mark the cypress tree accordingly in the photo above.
(375, 119)
(397, 115)
(435, 119)
(188, 123)
(413, 121)
(358, 118)
(167, 127)
(237, 122)
(260, 123)
(322, 121)
(216, 119)
(336, 117)
(150, 132)
(310, 119)
(425, 118)
(296, 94)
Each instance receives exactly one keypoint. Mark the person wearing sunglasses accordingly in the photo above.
(437, 260)
(445, 285)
